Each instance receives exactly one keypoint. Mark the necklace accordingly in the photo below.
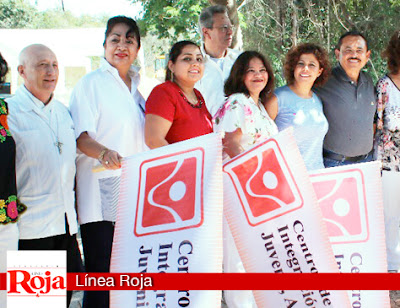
(199, 103)
(58, 144)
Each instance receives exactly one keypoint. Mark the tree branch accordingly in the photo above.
(335, 11)
(314, 20)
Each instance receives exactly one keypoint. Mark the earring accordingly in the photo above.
(172, 75)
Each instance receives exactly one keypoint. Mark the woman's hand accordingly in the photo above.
(231, 143)
(108, 158)
(111, 159)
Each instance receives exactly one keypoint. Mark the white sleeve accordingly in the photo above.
(232, 115)
(84, 110)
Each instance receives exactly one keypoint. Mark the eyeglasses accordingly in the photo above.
(225, 28)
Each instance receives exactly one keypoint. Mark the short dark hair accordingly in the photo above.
(392, 53)
(352, 33)
(3, 68)
(293, 57)
(235, 82)
(133, 27)
(176, 50)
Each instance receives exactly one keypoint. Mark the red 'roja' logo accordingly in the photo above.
(170, 193)
(23, 283)
(341, 196)
(264, 183)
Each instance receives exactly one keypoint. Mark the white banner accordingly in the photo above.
(170, 220)
(350, 198)
(272, 211)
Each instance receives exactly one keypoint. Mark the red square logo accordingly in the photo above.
(264, 183)
(170, 193)
(341, 196)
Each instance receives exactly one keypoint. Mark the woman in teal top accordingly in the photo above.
(296, 105)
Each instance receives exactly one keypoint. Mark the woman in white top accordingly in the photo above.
(245, 123)
(107, 110)
(388, 147)
(243, 117)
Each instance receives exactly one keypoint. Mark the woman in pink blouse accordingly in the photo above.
(388, 147)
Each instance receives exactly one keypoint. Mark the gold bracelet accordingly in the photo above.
(101, 156)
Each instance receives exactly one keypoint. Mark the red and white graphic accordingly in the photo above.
(170, 193)
(36, 279)
(341, 196)
(264, 183)
(169, 219)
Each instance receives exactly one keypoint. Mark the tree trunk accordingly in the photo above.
(328, 18)
(237, 40)
(295, 23)
(280, 15)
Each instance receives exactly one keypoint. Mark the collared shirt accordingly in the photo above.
(349, 108)
(45, 175)
(211, 86)
(102, 105)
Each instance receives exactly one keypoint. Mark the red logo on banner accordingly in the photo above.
(264, 183)
(22, 282)
(170, 193)
(341, 196)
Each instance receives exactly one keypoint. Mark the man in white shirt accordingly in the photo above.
(216, 31)
(45, 158)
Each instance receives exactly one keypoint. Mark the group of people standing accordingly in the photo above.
(207, 88)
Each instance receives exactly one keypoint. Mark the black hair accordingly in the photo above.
(132, 25)
(351, 33)
(176, 50)
(235, 82)
(3, 68)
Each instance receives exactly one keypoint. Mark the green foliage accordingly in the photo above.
(16, 14)
(20, 14)
(171, 19)
(58, 19)
(273, 27)
(165, 22)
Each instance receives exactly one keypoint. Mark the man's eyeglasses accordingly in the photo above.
(226, 28)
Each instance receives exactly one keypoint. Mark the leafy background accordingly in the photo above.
(271, 27)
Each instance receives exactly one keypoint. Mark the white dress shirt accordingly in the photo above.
(45, 175)
(102, 105)
(211, 86)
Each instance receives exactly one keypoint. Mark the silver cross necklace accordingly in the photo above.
(58, 143)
